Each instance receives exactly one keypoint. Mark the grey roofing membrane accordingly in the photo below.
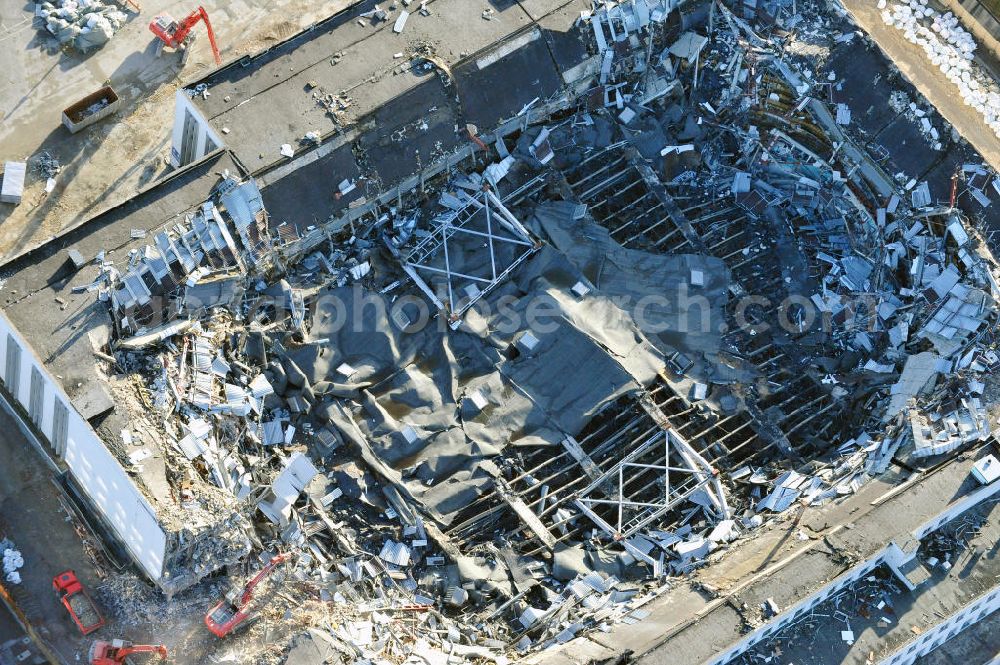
(308, 195)
(643, 277)
(414, 380)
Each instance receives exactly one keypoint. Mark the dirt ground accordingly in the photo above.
(107, 163)
(138, 613)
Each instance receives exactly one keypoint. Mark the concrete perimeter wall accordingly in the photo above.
(944, 631)
(72, 441)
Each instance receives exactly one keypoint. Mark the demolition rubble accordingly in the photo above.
(81, 24)
(543, 388)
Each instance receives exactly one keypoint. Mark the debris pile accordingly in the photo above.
(94, 108)
(47, 165)
(82, 24)
(459, 480)
(12, 562)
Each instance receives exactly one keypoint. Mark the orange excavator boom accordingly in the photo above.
(175, 33)
(234, 610)
(116, 651)
(211, 35)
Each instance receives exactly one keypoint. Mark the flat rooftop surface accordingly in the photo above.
(367, 64)
(914, 65)
(113, 160)
(777, 565)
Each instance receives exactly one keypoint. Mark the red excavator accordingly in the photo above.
(234, 609)
(177, 34)
(117, 651)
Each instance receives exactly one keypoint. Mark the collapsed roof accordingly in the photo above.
(541, 382)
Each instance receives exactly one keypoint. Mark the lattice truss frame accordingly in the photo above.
(677, 467)
(483, 216)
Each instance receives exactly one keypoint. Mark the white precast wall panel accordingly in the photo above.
(113, 492)
(201, 138)
(94, 468)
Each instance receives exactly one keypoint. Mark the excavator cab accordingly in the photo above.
(177, 34)
(234, 609)
(222, 618)
(165, 27)
(118, 651)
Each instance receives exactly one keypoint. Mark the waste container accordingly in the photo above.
(90, 109)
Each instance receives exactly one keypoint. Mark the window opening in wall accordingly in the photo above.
(60, 427)
(12, 374)
(189, 138)
(35, 403)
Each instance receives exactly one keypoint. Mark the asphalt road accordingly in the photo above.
(8, 626)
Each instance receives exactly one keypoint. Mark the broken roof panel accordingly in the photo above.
(688, 46)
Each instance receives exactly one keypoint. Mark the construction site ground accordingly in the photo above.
(107, 163)
(35, 515)
(38, 516)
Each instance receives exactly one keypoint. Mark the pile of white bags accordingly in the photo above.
(950, 48)
(12, 562)
(86, 24)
